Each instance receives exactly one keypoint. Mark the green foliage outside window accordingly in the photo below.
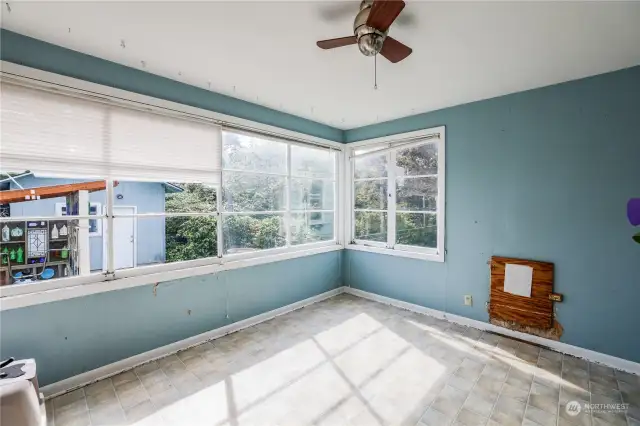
(416, 193)
(247, 193)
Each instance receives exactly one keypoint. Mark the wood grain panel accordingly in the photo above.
(534, 311)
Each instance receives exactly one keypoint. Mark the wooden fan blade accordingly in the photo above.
(383, 13)
(394, 51)
(336, 42)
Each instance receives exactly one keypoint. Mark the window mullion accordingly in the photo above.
(219, 241)
(287, 215)
(110, 224)
(391, 207)
(352, 197)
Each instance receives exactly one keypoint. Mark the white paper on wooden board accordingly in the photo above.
(517, 279)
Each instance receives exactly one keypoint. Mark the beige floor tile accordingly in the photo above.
(508, 411)
(73, 419)
(68, 398)
(139, 411)
(609, 419)
(354, 362)
(480, 403)
(627, 377)
(489, 385)
(470, 418)
(167, 398)
(449, 401)
(519, 379)
(605, 381)
(131, 393)
(433, 417)
(124, 377)
(461, 383)
(105, 397)
(519, 394)
(540, 417)
(70, 409)
(158, 387)
(98, 387)
(571, 393)
(111, 415)
(147, 368)
(545, 403)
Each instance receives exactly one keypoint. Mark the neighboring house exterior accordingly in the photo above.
(138, 241)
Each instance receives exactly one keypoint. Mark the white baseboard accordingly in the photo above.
(109, 370)
(608, 360)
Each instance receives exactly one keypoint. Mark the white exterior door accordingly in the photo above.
(124, 237)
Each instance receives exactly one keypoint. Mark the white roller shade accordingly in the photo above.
(145, 144)
(56, 134)
(50, 134)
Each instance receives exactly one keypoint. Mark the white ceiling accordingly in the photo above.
(265, 52)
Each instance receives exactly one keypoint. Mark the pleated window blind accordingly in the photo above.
(55, 134)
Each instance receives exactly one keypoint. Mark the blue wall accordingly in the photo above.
(34, 53)
(545, 175)
(146, 196)
(77, 335)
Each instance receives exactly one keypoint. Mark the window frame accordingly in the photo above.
(287, 212)
(390, 247)
(15, 296)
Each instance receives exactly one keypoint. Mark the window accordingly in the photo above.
(97, 191)
(46, 234)
(275, 194)
(95, 225)
(398, 191)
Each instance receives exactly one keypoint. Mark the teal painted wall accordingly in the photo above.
(76, 335)
(545, 175)
(73, 336)
(38, 54)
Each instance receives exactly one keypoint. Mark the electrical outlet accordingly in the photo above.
(468, 300)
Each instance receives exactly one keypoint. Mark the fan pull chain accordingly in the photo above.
(375, 72)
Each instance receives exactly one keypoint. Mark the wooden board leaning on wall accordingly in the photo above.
(533, 315)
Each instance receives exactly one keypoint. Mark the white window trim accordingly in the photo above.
(12, 297)
(414, 252)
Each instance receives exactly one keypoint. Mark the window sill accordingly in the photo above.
(433, 257)
(120, 283)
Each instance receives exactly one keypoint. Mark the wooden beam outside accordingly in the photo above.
(20, 195)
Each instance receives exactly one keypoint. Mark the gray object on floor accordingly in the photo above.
(21, 403)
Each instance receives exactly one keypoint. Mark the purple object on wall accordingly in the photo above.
(633, 211)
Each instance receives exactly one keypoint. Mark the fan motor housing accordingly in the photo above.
(370, 40)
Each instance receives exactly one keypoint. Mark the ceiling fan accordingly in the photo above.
(371, 28)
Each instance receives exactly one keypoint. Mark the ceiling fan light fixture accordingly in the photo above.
(370, 44)
(370, 31)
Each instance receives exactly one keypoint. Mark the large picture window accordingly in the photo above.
(94, 191)
(398, 195)
(275, 194)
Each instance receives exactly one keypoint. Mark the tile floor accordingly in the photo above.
(349, 361)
